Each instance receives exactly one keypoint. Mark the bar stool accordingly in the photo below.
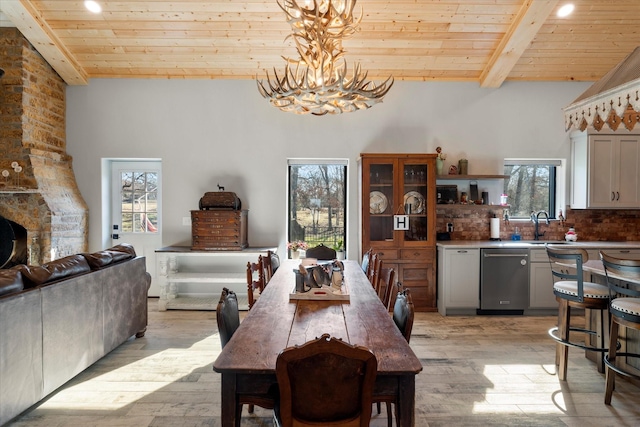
(572, 291)
(625, 312)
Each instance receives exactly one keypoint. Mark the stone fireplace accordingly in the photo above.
(38, 190)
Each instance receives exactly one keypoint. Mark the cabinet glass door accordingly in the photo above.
(381, 200)
(415, 199)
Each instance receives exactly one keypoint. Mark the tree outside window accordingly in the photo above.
(530, 186)
(317, 202)
(139, 202)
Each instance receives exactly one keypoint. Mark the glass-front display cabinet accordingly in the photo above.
(398, 218)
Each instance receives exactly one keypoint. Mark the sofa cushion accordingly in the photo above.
(121, 252)
(55, 270)
(119, 256)
(124, 247)
(99, 259)
(10, 281)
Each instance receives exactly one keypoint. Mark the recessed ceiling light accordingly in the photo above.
(93, 6)
(565, 10)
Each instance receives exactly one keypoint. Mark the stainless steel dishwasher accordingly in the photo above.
(504, 281)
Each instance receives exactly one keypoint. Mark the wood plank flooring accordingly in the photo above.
(478, 371)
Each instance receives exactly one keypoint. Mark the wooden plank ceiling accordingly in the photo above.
(483, 41)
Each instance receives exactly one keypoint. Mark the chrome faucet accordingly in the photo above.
(535, 218)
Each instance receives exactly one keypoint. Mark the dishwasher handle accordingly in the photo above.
(505, 255)
(523, 257)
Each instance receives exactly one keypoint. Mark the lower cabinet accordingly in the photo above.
(415, 269)
(540, 281)
(458, 281)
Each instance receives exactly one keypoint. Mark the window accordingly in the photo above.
(139, 207)
(533, 185)
(317, 202)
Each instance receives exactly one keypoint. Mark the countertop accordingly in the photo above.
(595, 244)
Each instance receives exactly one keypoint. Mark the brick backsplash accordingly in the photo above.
(473, 223)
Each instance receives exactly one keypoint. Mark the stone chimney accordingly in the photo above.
(43, 197)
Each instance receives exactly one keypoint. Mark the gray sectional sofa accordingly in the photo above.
(58, 319)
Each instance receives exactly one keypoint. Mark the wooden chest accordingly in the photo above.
(219, 230)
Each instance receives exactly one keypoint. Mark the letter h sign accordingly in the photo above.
(401, 222)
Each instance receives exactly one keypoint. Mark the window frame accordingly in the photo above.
(557, 183)
(319, 162)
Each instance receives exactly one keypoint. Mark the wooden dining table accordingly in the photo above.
(247, 363)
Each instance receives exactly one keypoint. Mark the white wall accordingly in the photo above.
(222, 131)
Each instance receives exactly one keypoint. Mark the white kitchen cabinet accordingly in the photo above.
(540, 281)
(541, 294)
(606, 171)
(458, 281)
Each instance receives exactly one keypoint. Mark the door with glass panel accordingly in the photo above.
(136, 209)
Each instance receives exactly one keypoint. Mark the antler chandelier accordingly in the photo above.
(319, 82)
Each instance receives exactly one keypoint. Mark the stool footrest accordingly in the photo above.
(553, 331)
(620, 371)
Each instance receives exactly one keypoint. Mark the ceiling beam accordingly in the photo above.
(520, 34)
(31, 24)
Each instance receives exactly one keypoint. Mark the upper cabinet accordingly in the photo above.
(606, 171)
(398, 184)
(402, 184)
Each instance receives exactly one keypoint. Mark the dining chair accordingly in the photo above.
(255, 281)
(388, 278)
(572, 291)
(325, 382)
(377, 279)
(625, 312)
(228, 320)
(365, 265)
(321, 252)
(403, 315)
(227, 315)
(374, 272)
(270, 263)
(395, 290)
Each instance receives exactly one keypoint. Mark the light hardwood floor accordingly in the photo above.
(478, 371)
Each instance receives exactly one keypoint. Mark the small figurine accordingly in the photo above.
(571, 235)
(561, 217)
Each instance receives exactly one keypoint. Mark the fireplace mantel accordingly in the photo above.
(30, 191)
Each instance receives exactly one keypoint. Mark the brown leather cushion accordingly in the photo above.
(55, 270)
(99, 259)
(121, 252)
(124, 247)
(10, 281)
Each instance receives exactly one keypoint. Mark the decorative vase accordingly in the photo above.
(295, 254)
(439, 166)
